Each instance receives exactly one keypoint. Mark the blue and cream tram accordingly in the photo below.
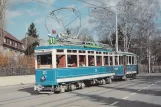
(61, 68)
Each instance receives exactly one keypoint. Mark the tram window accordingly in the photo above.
(91, 61)
(129, 59)
(44, 59)
(60, 50)
(111, 62)
(81, 51)
(99, 61)
(104, 52)
(74, 51)
(116, 60)
(121, 60)
(135, 60)
(132, 59)
(72, 60)
(69, 51)
(97, 52)
(60, 59)
(105, 60)
(91, 52)
(82, 60)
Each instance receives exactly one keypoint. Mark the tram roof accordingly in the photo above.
(72, 48)
(125, 53)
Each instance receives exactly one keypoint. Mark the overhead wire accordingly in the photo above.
(46, 3)
(95, 7)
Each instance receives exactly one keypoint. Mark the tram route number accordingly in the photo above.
(96, 70)
(116, 69)
(44, 72)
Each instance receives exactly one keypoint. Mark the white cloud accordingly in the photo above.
(101, 2)
(39, 21)
(12, 14)
(71, 6)
(32, 12)
(15, 2)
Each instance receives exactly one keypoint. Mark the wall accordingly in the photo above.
(16, 80)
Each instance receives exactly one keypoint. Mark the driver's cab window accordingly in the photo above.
(44, 61)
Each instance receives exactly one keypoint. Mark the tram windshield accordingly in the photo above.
(44, 61)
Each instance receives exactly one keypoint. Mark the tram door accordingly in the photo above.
(125, 63)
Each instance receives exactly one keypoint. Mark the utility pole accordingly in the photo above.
(125, 29)
(127, 6)
(149, 60)
(116, 33)
(149, 54)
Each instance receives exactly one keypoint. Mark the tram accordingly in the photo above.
(66, 68)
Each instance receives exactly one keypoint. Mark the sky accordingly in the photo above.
(21, 13)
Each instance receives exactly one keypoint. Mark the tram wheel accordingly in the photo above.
(103, 82)
(72, 87)
(109, 81)
(82, 85)
(134, 76)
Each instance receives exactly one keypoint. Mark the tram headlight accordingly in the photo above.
(43, 78)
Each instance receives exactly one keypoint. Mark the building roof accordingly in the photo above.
(8, 35)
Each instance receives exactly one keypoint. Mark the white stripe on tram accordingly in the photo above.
(84, 77)
(131, 72)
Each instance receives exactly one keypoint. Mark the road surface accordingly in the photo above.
(142, 92)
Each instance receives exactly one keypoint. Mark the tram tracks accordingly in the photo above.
(64, 96)
(76, 94)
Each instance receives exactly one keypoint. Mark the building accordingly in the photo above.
(29, 40)
(11, 46)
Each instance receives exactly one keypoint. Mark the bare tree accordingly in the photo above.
(84, 34)
(136, 18)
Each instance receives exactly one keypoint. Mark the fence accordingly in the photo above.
(4, 71)
(14, 71)
(143, 68)
(156, 69)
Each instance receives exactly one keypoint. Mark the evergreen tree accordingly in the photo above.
(30, 48)
(32, 31)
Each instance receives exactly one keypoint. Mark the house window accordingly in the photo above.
(10, 42)
(15, 44)
(4, 40)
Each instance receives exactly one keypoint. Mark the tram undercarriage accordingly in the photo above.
(71, 86)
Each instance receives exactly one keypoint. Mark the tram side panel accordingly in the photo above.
(45, 77)
(119, 71)
(131, 70)
(65, 75)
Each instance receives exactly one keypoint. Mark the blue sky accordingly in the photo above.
(23, 12)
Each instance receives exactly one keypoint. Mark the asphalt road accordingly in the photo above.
(145, 91)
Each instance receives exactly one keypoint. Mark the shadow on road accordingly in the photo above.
(28, 90)
(151, 92)
(110, 100)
